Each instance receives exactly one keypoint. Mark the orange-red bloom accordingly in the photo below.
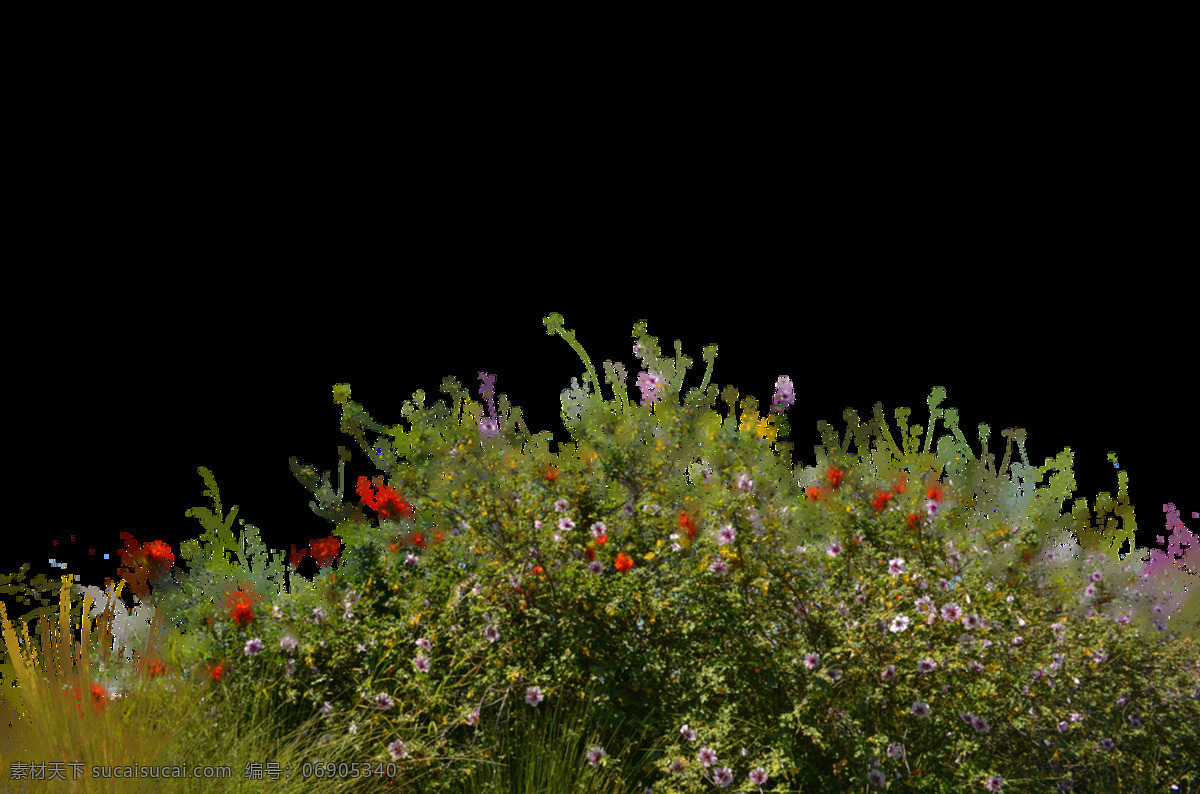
(324, 549)
(216, 672)
(142, 563)
(388, 503)
(688, 523)
(295, 558)
(241, 604)
(623, 563)
(98, 697)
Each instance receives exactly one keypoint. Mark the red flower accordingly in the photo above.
(141, 563)
(98, 696)
(241, 604)
(216, 672)
(602, 539)
(623, 563)
(324, 549)
(156, 668)
(296, 557)
(835, 476)
(935, 492)
(813, 493)
(242, 613)
(388, 503)
(159, 553)
(590, 553)
(687, 523)
(880, 501)
(537, 570)
(551, 474)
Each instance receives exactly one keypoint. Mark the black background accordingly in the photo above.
(131, 389)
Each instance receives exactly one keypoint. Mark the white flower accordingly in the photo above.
(129, 630)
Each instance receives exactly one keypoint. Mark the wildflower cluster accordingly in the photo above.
(862, 611)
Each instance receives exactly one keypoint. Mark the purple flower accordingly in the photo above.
(490, 425)
(706, 756)
(785, 395)
(758, 777)
(398, 749)
(533, 695)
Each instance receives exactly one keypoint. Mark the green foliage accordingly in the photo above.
(216, 547)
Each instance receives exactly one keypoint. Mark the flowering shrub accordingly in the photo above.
(668, 554)
(612, 444)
